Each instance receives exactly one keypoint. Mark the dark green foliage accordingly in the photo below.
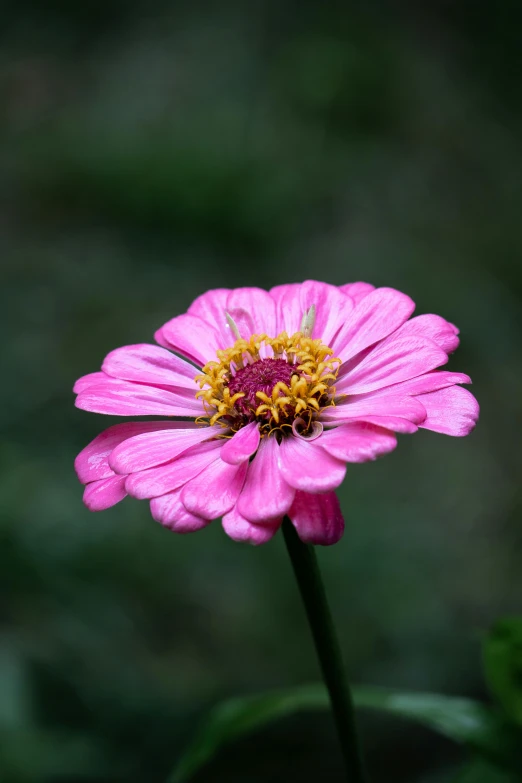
(492, 736)
(503, 665)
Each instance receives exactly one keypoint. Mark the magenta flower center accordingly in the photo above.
(296, 382)
(261, 376)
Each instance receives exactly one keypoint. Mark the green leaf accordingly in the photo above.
(502, 653)
(459, 719)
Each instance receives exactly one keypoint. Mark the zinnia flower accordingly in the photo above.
(268, 396)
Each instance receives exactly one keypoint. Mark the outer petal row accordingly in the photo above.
(104, 487)
(158, 481)
(396, 359)
(451, 411)
(317, 518)
(333, 308)
(170, 512)
(151, 449)
(306, 466)
(203, 330)
(375, 317)
(92, 463)
(102, 494)
(150, 364)
(240, 529)
(266, 495)
(197, 486)
(126, 398)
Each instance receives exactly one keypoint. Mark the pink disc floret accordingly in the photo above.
(260, 376)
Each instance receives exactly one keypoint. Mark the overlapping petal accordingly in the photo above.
(304, 465)
(429, 382)
(149, 449)
(317, 518)
(404, 412)
(288, 307)
(102, 494)
(166, 478)
(451, 411)
(191, 336)
(242, 445)
(215, 490)
(170, 512)
(375, 317)
(211, 308)
(357, 291)
(266, 495)
(357, 442)
(253, 310)
(150, 364)
(435, 328)
(240, 529)
(332, 307)
(126, 398)
(92, 463)
(391, 361)
(91, 379)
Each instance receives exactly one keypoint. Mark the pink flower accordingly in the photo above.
(278, 391)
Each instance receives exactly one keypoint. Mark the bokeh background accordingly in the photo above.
(153, 149)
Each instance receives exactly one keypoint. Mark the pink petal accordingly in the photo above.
(105, 493)
(332, 308)
(357, 291)
(156, 448)
(191, 337)
(393, 423)
(376, 316)
(242, 445)
(391, 361)
(451, 411)
(158, 481)
(92, 379)
(368, 407)
(243, 323)
(211, 308)
(256, 310)
(265, 496)
(317, 518)
(92, 463)
(240, 529)
(444, 334)
(431, 381)
(150, 364)
(169, 511)
(125, 398)
(307, 467)
(288, 307)
(214, 491)
(357, 442)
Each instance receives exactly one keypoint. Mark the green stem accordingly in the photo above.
(306, 570)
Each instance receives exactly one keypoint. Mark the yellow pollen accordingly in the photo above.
(310, 388)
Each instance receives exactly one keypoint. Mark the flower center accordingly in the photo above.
(273, 381)
(261, 376)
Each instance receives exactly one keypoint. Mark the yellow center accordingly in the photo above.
(310, 388)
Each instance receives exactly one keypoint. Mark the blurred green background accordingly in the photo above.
(153, 149)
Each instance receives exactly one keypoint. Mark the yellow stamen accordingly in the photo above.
(310, 388)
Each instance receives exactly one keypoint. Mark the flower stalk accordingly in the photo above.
(306, 570)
